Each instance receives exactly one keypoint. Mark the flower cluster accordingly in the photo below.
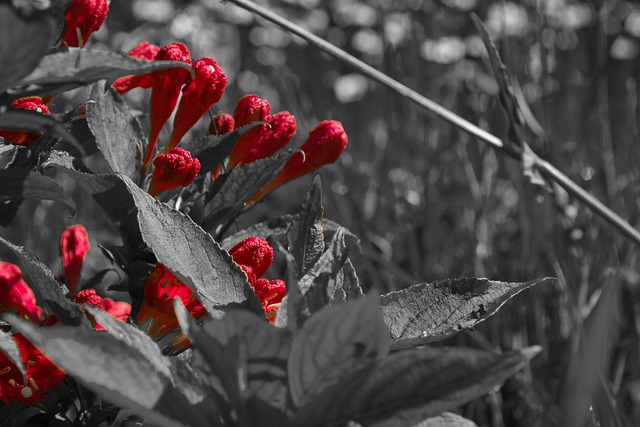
(16, 296)
(198, 94)
(253, 255)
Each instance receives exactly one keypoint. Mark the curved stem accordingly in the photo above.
(545, 168)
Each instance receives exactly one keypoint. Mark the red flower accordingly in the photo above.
(74, 245)
(254, 253)
(86, 16)
(166, 91)
(270, 293)
(42, 374)
(197, 96)
(119, 310)
(144, 50)
(32, 103)
(15, 294)
(174, 169)
(250, 109)
(282, 127)
(221, 124)
(324, 146)
(160, 290)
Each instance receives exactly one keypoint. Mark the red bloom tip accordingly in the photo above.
(166, 91)
(32, 103)
(42, 374)
(15, 294)
(250, 109)
(197, 96)
(270, 293)
(159, 292)
(74, 245)
(85, 15)
(221, 124)
(119, 310)
(175, 169)
(325, 144)
(282, 127)
(144, 50)
(255, 253)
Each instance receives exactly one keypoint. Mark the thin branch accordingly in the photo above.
(545, 168)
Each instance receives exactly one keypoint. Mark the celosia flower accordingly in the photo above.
(250, 109)
(282, 127)
(144, 50)
(325, 144)
(74, 244)
(175, 169)
(119, 310)
(221, 124)
(32, 103)
(166, 88)
(85, 16)
(15, 294)
(270, 293)
(254, 255)
(160, 290)
(197, 96)
(42, 374)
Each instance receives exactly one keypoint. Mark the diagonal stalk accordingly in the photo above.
(545, 168)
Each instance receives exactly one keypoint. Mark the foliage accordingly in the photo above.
(193, 343)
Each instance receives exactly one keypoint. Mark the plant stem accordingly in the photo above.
(545, 168)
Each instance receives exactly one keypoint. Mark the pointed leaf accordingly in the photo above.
(62, 71)
(346, 286)
(115, 370)
(265, 350)
(429, 312)
(118, 132)
(31, 121)
(230, 192)
(426, 382)
(273, 228)
(177, 242)
(21, 183)
(336, 341)
(46, 288)
(305, 236)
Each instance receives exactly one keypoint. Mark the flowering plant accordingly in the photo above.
(204, 330)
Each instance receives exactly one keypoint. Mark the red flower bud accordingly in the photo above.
(85, 15)
(159, 292)
(255, 253)
(325, 144)
(166, 91)
(175, 169)
(221, 124)
(119, 310)
(270, 293)
(42, 375)
(144, 50)
(250, 109)
(15, 294)
(32, 103)
(74, 244)
(197, 96)
(281, 129)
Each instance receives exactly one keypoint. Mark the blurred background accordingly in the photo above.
(430, 202)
